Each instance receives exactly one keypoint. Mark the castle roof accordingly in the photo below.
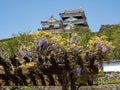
(73, 11)
(51, 19)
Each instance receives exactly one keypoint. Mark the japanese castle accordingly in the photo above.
(69, 18)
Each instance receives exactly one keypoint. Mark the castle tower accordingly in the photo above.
(73, 17)
(52, 25)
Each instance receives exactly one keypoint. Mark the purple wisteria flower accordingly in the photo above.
(100, 65)
(73, 40)
(104, 49)
(25, 53)
(41, 45)
(99, 45)
(101, 48)
(90, 78)
(77, 70)
(84, 70)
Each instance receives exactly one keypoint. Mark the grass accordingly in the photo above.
(107, 82)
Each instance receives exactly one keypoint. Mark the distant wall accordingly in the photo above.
(112, 66)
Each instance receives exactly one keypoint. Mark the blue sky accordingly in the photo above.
(18, 16)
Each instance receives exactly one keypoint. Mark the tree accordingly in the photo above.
(79, 29)
(112, 32)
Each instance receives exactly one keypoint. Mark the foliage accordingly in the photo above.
(79, 29)
(112, 32)
(12, 46)
(83, 39)
(28, 65)
(21, 88)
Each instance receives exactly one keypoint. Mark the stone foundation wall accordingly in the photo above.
(109, 76)
(99, 87)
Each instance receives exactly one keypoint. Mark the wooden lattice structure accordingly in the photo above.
(11, 75)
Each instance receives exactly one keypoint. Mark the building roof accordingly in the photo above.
(51, 19)
(73, 11)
